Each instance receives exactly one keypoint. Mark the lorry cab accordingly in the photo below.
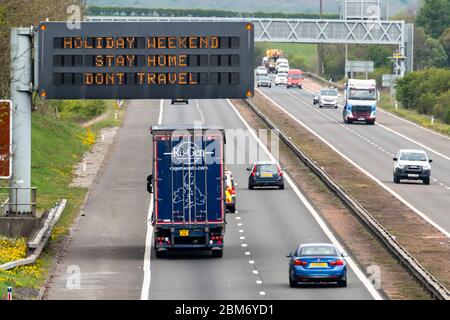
(295, 78)
(361, 97)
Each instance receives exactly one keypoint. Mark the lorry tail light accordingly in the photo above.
(219, 242)
(336, 263)
(299, 262)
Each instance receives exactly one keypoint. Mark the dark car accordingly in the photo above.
(265, 174)
(185, 101)
(317, 263)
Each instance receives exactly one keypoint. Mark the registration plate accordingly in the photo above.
(413, 175)
(266, 175)
(361, 119)
(184, 233)
(318, 265)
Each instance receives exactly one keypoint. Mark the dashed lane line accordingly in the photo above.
(409, 205)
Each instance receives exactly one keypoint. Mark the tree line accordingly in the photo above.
(25, 13)
(160, 12)
(427, 90)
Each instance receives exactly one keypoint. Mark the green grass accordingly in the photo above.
(308, 51)
(56, 149)
(411, 115)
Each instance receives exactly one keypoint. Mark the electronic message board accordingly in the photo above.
(5, 139)
(145, 60)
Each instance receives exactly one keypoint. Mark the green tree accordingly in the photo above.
(445, 41)
(429, 52)
(297, 62)
(434, 17)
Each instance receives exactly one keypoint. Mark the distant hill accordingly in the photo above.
(285, 6)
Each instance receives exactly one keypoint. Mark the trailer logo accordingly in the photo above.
(187, 152)
(190, 195)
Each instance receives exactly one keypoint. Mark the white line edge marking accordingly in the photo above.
(314, 213)
(148, 247)
(199, 110)
(414, 124)
(148, 239)
(161, 107)
(417, 211)
(398, 133)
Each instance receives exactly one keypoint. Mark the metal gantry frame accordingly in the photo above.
(383, 32)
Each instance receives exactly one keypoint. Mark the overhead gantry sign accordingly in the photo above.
(145, 60)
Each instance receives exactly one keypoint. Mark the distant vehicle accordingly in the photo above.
(265, 62)
(265, 174)
(264, 81)
(327, 97)
(317, 262)
(174, 101)
(230, 191)
(283, 68)
(281, 61)
(281, 79)
(188, 182)
(261, 71)
(412, 165)
(273, 55)
(360, 101)
(295, 78)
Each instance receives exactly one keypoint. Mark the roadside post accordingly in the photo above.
(9, 296)
(21, 88)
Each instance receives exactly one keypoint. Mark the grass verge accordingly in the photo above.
(57, 147)
(414, 116)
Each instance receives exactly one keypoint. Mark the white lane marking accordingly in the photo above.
(148, 247)
(258, 282)
(247, 253)
(404, 136)
(313, 212)
(415, 124)
(255, 271)
(417, 211)
(251, 261)
(239, 224)
(199, 110)
(413, 141)
(238, 218)
(161, 108)
(244, 245)
(148, 240)
(262, 293)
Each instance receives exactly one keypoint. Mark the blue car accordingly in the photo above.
(317, 262)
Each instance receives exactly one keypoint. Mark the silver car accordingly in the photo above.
(264, 81)
(327, 97)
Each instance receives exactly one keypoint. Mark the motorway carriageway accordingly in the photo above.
(112, 244)
(373, 147)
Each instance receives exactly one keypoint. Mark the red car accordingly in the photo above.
(295, 78)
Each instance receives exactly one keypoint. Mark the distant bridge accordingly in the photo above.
(387, 32)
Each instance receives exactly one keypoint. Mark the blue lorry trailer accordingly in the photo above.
(188, 186)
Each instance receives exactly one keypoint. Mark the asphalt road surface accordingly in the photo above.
(373, 147)
(108, 244)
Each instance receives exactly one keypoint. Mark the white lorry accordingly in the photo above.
(360, 101)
